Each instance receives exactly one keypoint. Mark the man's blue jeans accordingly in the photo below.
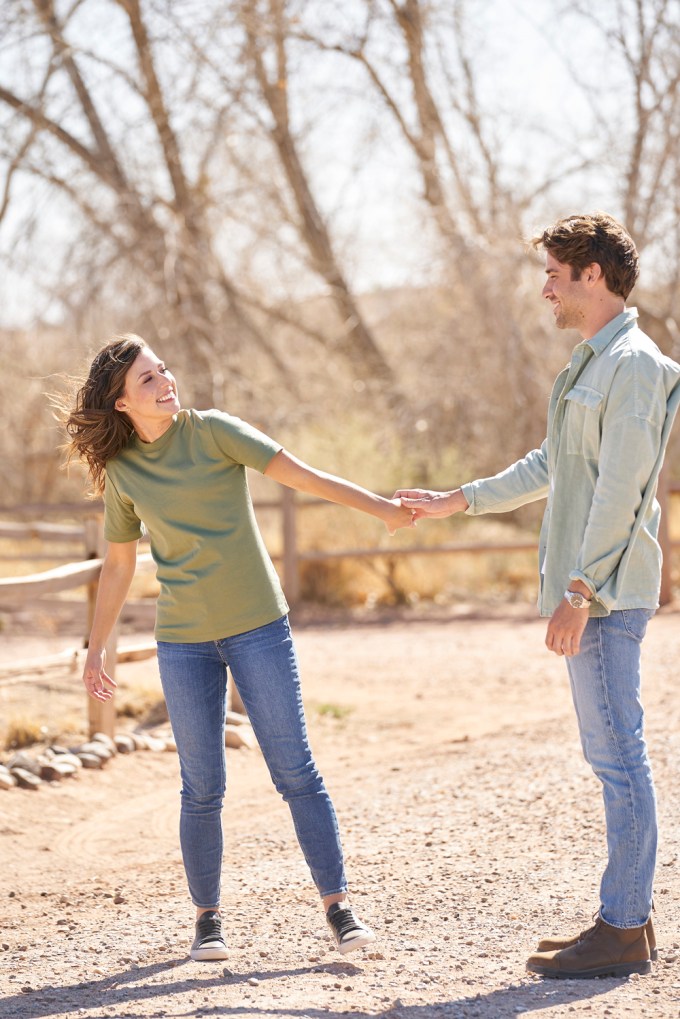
(263, 664)
(605, 683)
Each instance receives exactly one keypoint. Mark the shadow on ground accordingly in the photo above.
(114, 992)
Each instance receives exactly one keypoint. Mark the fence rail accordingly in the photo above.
(86, 573)
(39, 529)
(61, 578)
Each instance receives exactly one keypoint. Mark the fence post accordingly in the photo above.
(291, 573)
(101, 714)
(665, 594)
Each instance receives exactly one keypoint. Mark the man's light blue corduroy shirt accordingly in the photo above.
(609, 419)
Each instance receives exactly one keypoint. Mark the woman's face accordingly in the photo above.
(150, 398)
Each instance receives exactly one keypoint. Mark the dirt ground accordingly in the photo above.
(471, 825)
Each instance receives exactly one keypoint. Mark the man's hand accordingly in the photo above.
(565, 629)
(425, 503)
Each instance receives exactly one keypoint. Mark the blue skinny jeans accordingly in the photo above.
(264, 667)
(606, 688)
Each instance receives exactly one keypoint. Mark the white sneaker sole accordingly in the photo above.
(209, 953)
(359, 942)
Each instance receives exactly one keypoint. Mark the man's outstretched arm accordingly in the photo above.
(524, 481)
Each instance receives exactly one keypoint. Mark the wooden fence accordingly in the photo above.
(86, 572)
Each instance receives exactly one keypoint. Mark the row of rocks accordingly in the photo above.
(30, 769)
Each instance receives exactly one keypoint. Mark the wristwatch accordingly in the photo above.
(577, 600)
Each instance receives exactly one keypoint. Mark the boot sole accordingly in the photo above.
(548, 946)
(622, 969)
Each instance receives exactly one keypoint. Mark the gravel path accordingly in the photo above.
(471, 827)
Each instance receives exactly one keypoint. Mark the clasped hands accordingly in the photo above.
(411, 504)
(424, 503)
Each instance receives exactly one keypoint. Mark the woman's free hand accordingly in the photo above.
(425, 503)
(98, 684)
(398, 515)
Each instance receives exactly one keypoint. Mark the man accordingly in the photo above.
(609, 418)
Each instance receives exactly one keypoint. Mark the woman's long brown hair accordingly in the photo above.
(97, 431)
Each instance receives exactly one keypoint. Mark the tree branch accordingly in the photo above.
(156, 103)
(46, 13)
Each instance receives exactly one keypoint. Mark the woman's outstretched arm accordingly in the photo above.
(289, 471)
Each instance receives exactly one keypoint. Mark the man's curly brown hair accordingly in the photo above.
(578, 241)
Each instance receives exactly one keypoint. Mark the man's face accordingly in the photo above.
(569, 298)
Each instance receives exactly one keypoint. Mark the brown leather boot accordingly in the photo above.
(603, 951)
(556, 944)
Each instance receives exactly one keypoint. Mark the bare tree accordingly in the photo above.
(155, 220)
(268, 33)
(422, 65)
(637, 111)
(159, 219)
(418, 61)
(183, 151)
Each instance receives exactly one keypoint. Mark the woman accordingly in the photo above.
(182, 473)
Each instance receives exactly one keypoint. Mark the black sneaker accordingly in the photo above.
(349, 933)
(208, 943)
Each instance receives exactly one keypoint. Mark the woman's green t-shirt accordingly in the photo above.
(189, 490)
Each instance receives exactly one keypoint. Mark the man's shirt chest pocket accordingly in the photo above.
(582, 422)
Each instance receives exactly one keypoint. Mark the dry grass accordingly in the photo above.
(23, 732)
(141, 702)
(334, 711)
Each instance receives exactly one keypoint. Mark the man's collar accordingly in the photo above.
(615, 325)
